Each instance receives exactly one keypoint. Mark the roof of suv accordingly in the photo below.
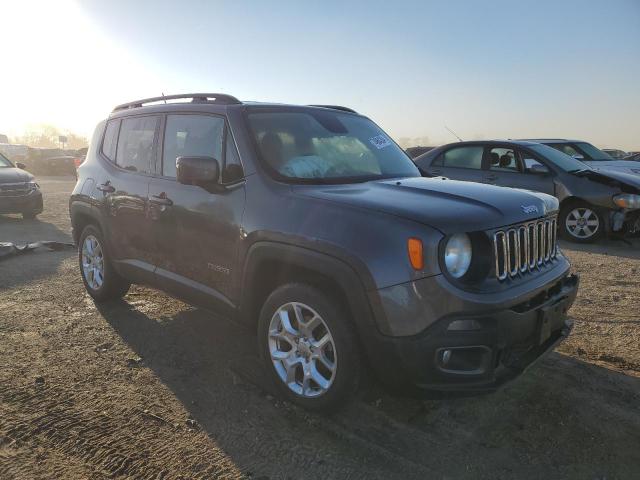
(551, 140)
(206, 98)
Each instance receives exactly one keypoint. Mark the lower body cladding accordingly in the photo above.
(30, 203)
(476, 349)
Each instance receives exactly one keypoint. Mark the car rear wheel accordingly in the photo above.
(307, 345)
(100, 279)
(581, 223)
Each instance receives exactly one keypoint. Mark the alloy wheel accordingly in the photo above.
(582, 223)
(302, 349)
(92, 262)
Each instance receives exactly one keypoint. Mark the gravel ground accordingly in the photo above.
(152, 388)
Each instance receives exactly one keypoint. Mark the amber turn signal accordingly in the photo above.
(416, 257)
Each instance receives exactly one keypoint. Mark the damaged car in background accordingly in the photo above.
(592, 202)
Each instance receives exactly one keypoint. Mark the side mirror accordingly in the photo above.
(201, 171)
(21, 166)
(538, 168)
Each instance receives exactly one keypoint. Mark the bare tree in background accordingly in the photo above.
(46, 136)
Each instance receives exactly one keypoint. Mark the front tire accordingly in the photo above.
(308, 346)
(580, 222)
(100, 279)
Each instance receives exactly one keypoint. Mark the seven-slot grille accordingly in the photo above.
(525, 247)
(13, 189)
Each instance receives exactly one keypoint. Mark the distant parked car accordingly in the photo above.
(19, 193)
(51, 161)
(4, 138)
(615, 153)
(592, 156)
(592, 202)
(414, 152)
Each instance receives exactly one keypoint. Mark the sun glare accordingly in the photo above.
(53, 52)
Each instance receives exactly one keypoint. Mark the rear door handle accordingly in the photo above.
(106, 187)
(161, 199)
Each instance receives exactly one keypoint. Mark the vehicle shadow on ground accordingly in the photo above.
(627, 248)
(19, 231)
(548, 423)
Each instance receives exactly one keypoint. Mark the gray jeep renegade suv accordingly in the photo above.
(311, 226)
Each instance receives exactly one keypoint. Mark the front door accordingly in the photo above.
(197, 230)
(129, 148)
(509, 167)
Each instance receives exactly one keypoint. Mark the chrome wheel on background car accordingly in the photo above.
(302, 350)
(582, 223)
(92, 262)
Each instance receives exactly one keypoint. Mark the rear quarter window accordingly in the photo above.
(110, 142)
(464, 157)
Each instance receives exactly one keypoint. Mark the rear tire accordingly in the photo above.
(581, 222)
(100, 279)
(308, 346)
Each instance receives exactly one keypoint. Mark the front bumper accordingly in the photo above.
(31, 202)
(487, 348)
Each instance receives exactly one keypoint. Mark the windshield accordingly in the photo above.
(561, 160)
(318, 146)
(594, 153)
(4, 163)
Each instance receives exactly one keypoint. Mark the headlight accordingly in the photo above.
(627, 200)
(33, 186)
(457, 254)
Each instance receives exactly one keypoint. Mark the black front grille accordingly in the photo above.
(14, 189)
(524, 248)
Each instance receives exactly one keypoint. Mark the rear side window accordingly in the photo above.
(191, 135)
(110, 141)
(135, 144)
(464, 157)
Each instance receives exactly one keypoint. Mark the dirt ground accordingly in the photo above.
(152, 388)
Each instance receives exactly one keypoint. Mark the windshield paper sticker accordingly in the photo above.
(380, 141)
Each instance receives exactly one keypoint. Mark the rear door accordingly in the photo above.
(129, 146)
(511, 167)
(460, 163)
(196, 230)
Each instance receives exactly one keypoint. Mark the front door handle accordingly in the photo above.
(106, 187)
(161, 199)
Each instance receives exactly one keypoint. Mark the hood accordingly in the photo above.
(611, 177)
(630, 167)
(14, 175)
(451, 206)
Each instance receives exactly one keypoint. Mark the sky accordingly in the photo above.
(485, 69)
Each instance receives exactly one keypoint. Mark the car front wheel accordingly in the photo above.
(307, 344)
(581, 223)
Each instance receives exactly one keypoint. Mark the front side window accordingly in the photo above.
(191, 136)
(504, 160)
(567, 150)
(135, 144)
(464, 157)
(318, 146)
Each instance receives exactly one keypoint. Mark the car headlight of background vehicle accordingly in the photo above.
(457, 254)
(33, 186)
(627, 200)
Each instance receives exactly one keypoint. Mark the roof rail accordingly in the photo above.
(336, 107)
(219, 98)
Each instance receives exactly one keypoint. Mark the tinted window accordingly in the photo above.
(504, 159)
(191, 136)
(110, 141)
(593, 152)
(567, 149)
(464, 157)
(135, 144)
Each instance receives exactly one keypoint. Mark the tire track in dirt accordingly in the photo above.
(46, 417)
